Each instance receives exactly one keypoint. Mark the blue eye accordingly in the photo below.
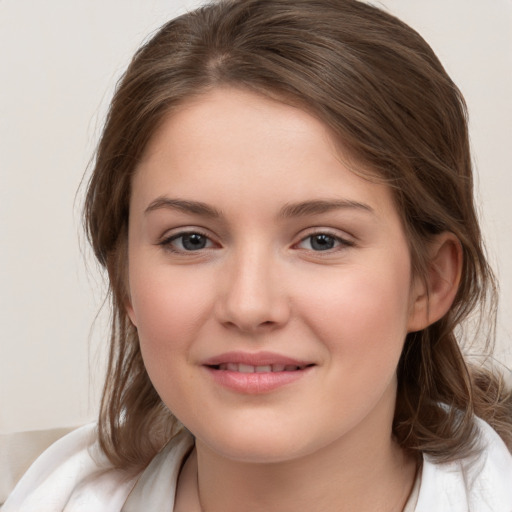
(187, 242)
(193, 241)
(323, 242)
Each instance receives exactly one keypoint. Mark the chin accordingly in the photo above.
(258, 444)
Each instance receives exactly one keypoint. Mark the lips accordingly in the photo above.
(247, 368)
(255, 373)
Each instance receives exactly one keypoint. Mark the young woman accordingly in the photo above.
(282, 198)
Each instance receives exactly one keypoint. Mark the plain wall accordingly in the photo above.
(59, 63)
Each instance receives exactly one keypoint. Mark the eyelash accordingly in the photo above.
(167, 243)
(343, 243)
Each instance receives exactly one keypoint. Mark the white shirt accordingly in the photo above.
(74, 476)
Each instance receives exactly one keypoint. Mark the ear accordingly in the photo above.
(127, 299)
(130, 312)
(432, 299)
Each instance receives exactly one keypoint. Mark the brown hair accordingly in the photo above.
(378, 85)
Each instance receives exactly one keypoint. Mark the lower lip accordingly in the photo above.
(256, 383)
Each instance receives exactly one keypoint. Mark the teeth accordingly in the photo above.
(247, 368)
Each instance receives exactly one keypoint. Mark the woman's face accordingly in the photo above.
(270, 286)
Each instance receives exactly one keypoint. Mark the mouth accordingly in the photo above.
(267, 368)
(255, 374)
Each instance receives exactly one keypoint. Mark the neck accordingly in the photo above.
(376, 482)
(346, 476)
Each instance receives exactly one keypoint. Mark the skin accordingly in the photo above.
(261, 284)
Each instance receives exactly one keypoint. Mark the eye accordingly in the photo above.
(187, 242)
(323, 242)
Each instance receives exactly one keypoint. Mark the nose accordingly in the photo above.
(252, 294)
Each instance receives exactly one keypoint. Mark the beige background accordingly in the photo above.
(59, 63)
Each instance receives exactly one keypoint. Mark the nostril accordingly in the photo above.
(250, 312)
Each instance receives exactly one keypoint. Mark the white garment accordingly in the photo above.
(18, 450)
(74, 476)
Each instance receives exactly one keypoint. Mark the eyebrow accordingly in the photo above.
(301, 209)
(321, 206)
(194, 207)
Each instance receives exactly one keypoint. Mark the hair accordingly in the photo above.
(382, 91)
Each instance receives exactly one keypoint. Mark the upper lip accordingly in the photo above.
(254, 359)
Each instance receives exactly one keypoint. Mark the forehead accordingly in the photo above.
(239, 146)
(205, 118)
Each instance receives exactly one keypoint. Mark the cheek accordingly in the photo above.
(362, 314)
(167, 307)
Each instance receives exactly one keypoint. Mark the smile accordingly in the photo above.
(247, 368)
(255, 374)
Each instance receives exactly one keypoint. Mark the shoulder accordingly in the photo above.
(74, 475)
(481, 483)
